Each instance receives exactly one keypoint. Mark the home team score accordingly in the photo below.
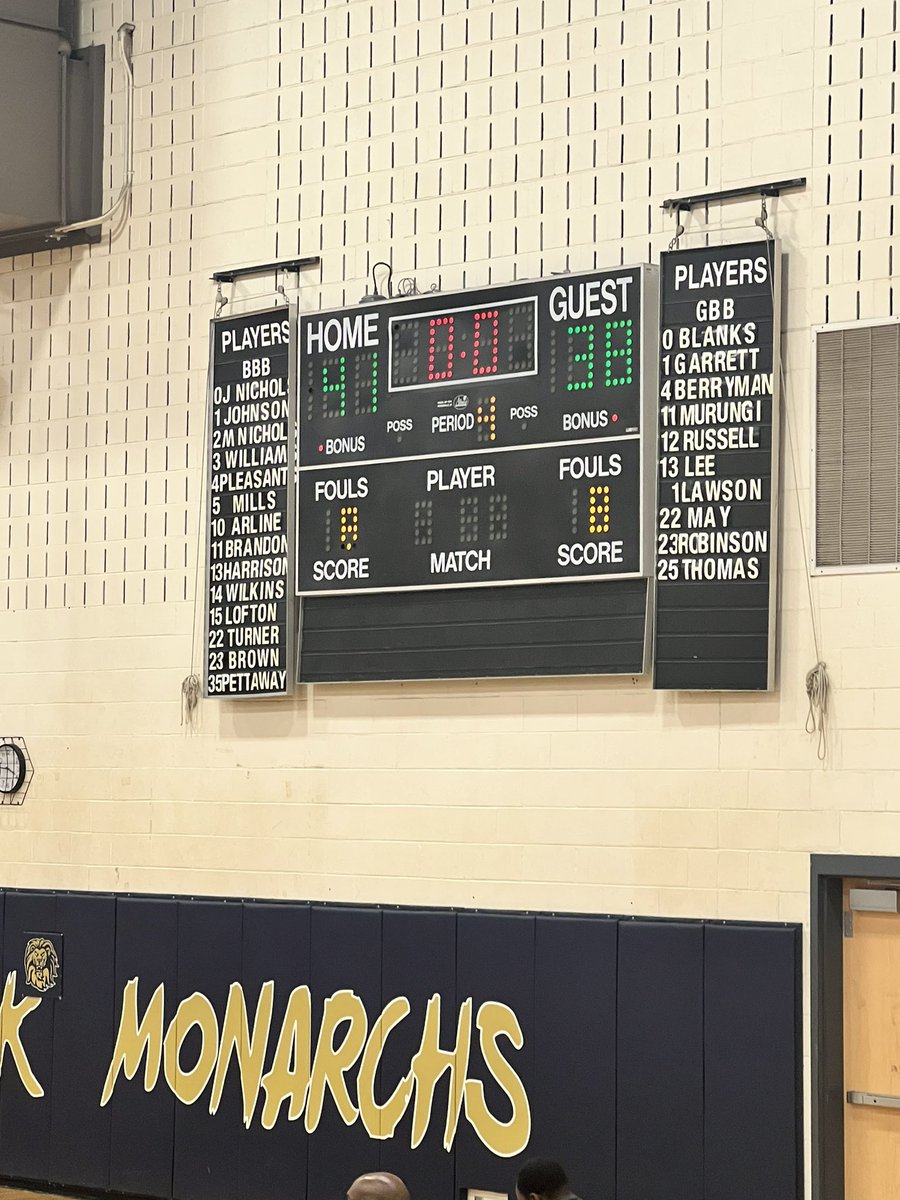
(425, 433)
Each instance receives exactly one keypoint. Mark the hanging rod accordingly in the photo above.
(686, 203)
(287, 264)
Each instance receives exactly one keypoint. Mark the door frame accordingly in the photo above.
(826, 938)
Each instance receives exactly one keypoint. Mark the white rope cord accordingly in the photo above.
(817, 685)
(817, 691)
(191, 689)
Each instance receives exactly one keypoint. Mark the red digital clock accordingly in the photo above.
(463, 345)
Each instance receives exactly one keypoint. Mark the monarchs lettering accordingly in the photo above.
(341, 1062)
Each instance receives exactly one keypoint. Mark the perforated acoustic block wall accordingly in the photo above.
(467, 141)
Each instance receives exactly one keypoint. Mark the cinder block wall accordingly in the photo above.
(468, 142)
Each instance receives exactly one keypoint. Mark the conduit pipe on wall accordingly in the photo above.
(125, 34)
(65, 49)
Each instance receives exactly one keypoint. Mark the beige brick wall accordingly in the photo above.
(469, 141)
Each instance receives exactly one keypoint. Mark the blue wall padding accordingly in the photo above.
(573, 1101)
(494, 961)
(142, 1124)
(24, 1120)
(751, 1001)
(661, 1058)
(276, 946)
(659, 1067)
(418, 960)
(205, 1164)
(346, 953)
(79, 1149)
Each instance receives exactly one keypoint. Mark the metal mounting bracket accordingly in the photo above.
(686, 203)
(287, 264)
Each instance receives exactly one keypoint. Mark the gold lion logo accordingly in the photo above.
(41, 964)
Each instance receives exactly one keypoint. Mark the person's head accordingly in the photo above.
(378, 1185)
(542, 1179)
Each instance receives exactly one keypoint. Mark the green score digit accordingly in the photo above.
(334, 385)
(581, 358)
(365, 386)
(619, 353)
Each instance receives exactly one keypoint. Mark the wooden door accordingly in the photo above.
(871, 1053)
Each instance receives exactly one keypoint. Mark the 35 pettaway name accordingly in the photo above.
(239, 683)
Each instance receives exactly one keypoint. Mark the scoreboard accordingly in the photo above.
(503, 436)
(483, 438)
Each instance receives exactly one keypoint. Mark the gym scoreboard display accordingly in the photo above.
(482, 438)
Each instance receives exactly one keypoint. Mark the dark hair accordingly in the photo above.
(543, 1176)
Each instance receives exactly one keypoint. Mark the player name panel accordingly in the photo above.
(717, 432)
(491, 436)
(250, 539)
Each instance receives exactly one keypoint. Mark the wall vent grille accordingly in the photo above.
(857, 510)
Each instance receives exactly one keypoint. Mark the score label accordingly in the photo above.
(250, 539)
(717, 425)
(467, 440)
